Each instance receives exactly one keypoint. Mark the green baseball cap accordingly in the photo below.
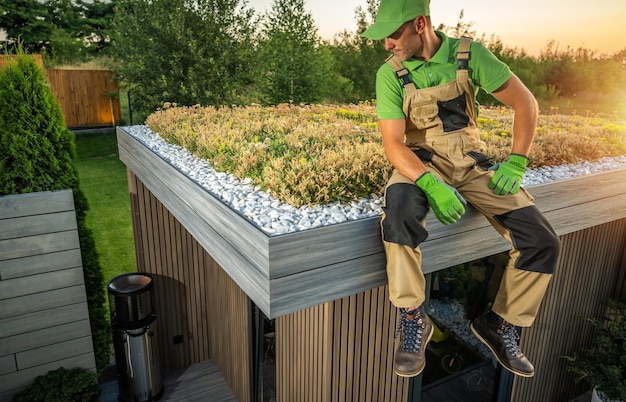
(392, 14)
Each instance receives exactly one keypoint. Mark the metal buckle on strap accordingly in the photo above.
(405, 79)
(463, 54)
(403, 75)
(463, 60)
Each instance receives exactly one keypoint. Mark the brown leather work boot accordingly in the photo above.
(413, 333)
(502, 339)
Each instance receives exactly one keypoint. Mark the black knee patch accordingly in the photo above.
(405, 208)
(533, 236)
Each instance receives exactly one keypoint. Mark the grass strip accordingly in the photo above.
(103, 180)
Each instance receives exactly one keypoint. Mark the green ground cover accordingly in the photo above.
(103, 180)
(317, 154)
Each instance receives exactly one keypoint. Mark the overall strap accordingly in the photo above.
(401, 72)
(463, 53)
(463, 79)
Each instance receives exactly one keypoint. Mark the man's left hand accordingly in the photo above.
(509, 175)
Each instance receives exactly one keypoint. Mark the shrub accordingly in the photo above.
(603, 366)
(61, 385)
(37, 152)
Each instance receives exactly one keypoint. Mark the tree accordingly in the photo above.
(27, 20)
(295, 70)
(36, 154)
(358, 58)
(461, 28)
(184, 51)
(64, 31)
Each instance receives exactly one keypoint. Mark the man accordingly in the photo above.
(427, 114)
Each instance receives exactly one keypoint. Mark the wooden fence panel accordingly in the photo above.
(44, 320)
(87, 97)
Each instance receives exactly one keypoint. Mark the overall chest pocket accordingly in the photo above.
(453, 113)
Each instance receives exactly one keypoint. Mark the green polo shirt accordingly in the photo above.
(485, 71)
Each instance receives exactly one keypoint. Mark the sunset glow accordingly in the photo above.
(597, 26)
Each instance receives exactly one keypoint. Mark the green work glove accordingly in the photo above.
(445, 201)
(509, 175)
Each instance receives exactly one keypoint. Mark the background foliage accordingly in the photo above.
(223, 52)
(61, 385)
(185, 51)
(65, 31)
(37, 152)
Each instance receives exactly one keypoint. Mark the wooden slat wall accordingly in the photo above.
(201, 313)
(44, 319)
(620, 292)
(340, 351)
(588, 272)
(86, 97)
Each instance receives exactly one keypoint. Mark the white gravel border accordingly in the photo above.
(275, 217)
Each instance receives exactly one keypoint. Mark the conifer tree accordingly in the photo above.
(36, 154)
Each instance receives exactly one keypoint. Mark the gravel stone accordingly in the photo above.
(275, 217)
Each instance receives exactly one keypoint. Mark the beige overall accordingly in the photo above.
(442, 131)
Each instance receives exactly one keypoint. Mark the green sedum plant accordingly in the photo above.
(62, 385)
(316, 154)
(36, 154)
(305, 154)
(603, 366)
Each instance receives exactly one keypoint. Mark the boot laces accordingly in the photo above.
(511, 337)
(411, 329)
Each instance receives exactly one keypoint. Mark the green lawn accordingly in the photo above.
(103, 180)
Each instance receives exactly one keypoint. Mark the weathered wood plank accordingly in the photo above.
(34, 302)
(42, 337)
(437, 255)
(40, 264)
(41, 244)
(7, 364)
(43, 319)
(583, 216)
(37, 224)
(41, 283)
(45, 202)
(297, 292)
(52, 353)
(301, 251)
(579, 190)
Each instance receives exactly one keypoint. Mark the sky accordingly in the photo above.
(597, 25)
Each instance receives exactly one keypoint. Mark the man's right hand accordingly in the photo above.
(446, 202)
